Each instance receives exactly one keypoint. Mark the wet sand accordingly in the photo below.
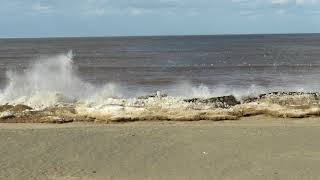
(252, 148)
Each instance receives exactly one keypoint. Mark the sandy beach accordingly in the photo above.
(252, 148)
(160, 90)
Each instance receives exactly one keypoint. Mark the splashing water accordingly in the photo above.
(47, 82)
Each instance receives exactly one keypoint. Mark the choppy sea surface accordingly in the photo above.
(105, 71)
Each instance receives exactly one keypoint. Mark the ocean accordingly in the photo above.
(148, 64)
(104, 68)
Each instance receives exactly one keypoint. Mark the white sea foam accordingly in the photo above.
(186, 89)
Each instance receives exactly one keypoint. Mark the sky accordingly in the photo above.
(62, 18)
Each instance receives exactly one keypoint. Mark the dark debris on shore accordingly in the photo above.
(25, 114)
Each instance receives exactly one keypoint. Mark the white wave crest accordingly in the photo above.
(47, 82)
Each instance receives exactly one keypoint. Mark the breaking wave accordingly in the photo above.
(51, 91)
(50, 81)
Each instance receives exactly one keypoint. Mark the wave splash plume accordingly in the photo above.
(50, 91)
(47, 82)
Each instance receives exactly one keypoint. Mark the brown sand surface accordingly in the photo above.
(252, 148)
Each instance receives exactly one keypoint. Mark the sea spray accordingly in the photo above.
(47, 82)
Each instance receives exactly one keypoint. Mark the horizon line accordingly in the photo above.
(171, 35)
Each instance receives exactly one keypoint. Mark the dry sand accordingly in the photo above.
(252, 148)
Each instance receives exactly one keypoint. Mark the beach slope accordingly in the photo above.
(247, 149)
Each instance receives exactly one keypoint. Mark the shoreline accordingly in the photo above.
(254, 121)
